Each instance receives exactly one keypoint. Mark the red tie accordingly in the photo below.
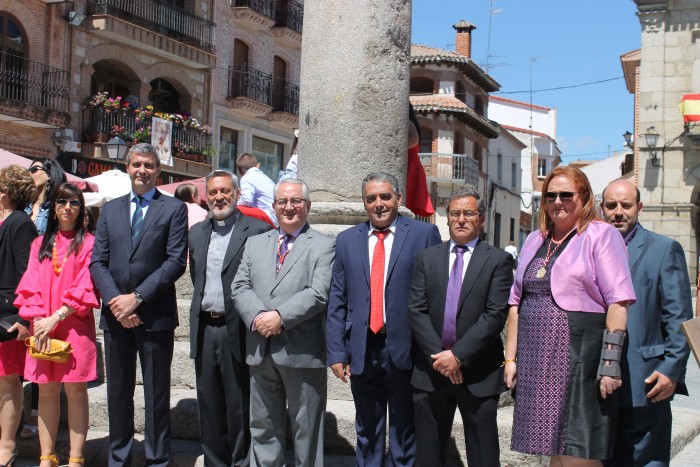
(376, 283)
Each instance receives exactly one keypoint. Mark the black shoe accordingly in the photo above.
(11, 462)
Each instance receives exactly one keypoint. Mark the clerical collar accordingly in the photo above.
(228, 222)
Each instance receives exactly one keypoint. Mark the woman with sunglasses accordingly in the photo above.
(568, 302)
(47, 175)
(58, 295)
(17, 231)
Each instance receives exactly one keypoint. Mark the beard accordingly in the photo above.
(222, 213)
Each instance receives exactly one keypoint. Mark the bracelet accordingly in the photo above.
(509, 360)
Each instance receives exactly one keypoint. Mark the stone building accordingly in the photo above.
(536, 127)
(255, 86)
(660, 74)
(450, 94)
(232, 65)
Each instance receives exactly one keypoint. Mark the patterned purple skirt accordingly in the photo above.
(543, 368)
(558, 408)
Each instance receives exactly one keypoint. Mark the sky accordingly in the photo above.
(562, 43)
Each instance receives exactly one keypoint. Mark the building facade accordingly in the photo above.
(660, 74)
(450, 94)
(83, 80)
(536, 127)
(255, 87)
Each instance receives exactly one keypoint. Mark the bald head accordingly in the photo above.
(621, 205)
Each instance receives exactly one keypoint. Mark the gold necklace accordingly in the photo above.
(543, 270)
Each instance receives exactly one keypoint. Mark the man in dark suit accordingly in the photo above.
(140, 251)
(281, 293)
(655, 352)
(458, 306)
(217, 340)
(367, 332)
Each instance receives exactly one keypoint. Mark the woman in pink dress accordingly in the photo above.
(57, 295)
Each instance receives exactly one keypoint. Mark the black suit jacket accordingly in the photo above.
(156, 260)
(200, 235)
(482, 312)
(16, 235)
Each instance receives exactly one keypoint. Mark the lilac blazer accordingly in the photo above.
(589, 275)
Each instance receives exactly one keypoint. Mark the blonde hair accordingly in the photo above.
(17, 183)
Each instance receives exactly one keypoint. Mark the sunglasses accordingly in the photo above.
(564, 196)
(74, 203)
(35, 168)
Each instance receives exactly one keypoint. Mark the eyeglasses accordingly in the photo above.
(296, 202)
(35, 168)
(467, 214)
(74, 203)
(564, 196)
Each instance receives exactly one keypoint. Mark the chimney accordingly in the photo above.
(464, 38)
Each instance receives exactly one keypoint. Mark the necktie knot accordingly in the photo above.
(139, 200)
(381, 234)
(460, 249)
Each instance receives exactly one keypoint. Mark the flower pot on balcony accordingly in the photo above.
(100, 137)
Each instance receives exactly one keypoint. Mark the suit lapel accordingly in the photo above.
(236, 242)
(442, 264)
(300, 244)
(201, 253)
(125, 226)
(634, 249)
(399, 240)
(476, 263)
(363, 248)
(151, 213)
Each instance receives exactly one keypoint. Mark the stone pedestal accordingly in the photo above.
(355, 75)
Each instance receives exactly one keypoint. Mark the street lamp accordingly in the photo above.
(652, 139)
(628, 139)
(116, 148)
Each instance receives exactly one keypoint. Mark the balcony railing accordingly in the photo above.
(450, 168)
(285, 98)
(33, 82)
(293, 18)
(161, 17)
(245, 81)
(100, 122)
(264, 7)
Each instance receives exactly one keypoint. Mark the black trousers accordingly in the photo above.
(155, 351)
(223, 396)
(435, 411)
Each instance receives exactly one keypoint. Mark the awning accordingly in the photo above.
(8, 158)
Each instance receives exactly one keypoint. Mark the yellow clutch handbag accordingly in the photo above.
(58, 353)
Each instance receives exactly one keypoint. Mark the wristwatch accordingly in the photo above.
(61, 315)
(138, 296)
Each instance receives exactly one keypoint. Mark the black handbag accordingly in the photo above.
(5, 324)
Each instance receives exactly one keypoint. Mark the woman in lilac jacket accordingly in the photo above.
(568, 303)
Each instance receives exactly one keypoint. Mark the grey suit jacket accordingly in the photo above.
(654, 337)
(299, 292)
(199, 238)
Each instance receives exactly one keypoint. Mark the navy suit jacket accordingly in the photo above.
(481, 313)
(348, 308)
(151, 266)
(655, 341)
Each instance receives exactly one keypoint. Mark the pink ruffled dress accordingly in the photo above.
(42, 291)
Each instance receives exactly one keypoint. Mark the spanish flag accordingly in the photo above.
(690, 108)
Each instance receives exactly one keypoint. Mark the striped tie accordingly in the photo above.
(137, 219)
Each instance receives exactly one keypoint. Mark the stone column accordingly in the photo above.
(355, 75)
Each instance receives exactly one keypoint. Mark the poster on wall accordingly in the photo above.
(161, 138)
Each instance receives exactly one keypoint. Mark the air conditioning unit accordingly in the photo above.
(70, 146)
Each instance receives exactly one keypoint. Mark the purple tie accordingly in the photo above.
(454, 286)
